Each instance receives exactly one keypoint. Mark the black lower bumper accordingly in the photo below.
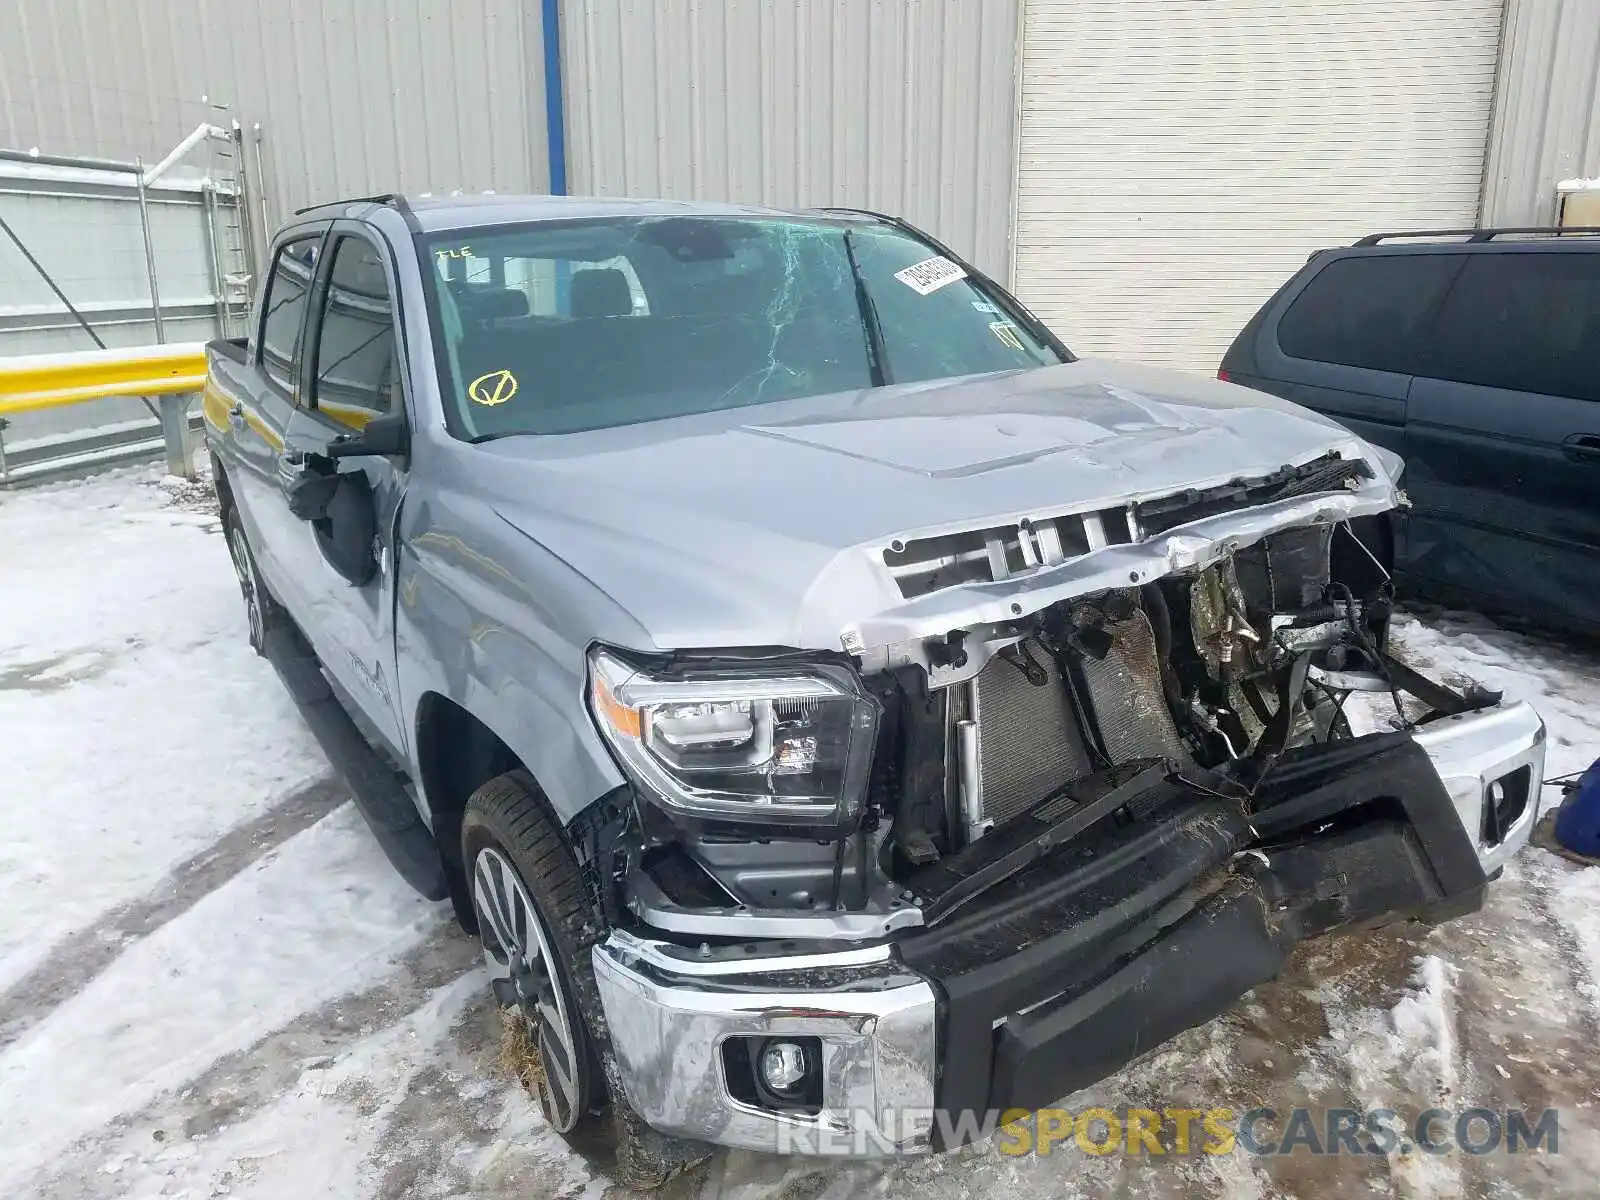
(1122, 939)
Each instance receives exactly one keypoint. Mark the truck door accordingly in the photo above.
(353, 373)
(261, 402)
(1503, 435)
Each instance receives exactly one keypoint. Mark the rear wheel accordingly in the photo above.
(537, 931)
(261, 611)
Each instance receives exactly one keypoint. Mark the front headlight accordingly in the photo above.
(789, 748)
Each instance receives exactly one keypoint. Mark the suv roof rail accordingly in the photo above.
(1476, 235)
(393, 199)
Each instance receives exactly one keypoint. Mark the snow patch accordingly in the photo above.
(321, 917)
(136, 724)
(1409, 1052)
(1574, 899)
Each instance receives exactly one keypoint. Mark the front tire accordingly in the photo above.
(537, 931)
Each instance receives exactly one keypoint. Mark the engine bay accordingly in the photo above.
(987, 735)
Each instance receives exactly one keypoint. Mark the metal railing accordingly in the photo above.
(174, 373)
(164, 377)
(32, 382)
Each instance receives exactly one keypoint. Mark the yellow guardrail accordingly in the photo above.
(30, 382)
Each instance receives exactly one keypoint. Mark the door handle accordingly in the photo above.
(236, 416)
(1583, 447)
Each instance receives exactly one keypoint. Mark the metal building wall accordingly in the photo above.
(354, 96)
(1547, 109)
(905, 106)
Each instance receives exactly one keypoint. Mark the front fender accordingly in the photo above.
(500, 626)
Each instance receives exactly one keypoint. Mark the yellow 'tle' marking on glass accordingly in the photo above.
(494, 388)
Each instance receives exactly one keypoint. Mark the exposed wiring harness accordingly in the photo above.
(1338, 697)
(1363, 639)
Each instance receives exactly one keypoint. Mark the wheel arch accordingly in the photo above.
(219, 482)
(457, 753)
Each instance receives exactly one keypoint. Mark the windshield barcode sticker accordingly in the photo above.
(930, 274)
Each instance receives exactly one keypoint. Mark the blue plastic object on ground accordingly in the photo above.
(1578, 820)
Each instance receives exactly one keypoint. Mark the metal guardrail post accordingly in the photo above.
(175, 435)
(149, 255)
(241, 199)
(174, 409)
(208, 197)
(261, 198)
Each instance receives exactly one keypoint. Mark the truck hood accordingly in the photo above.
(766, 526)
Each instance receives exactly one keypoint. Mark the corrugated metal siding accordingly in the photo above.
(904, 106)
(1547, 109)
(354, 96)
(1180, 158)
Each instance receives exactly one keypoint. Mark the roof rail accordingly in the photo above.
(393, 199)
(1476, 235)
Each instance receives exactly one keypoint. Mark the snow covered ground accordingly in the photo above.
(212, 984)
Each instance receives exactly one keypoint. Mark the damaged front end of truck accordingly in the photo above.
(1078, 781)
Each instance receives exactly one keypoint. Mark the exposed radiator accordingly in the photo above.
(1028, 738)
(1124, 689)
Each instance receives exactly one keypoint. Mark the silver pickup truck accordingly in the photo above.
(843, 714)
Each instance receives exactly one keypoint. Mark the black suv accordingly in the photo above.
(1475, 355)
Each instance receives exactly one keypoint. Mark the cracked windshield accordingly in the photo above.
(560, 328)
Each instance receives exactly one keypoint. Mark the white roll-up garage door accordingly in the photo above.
(1179, 159)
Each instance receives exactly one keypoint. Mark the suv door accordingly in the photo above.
(1503, 435)
(258, 421)
(354, 372)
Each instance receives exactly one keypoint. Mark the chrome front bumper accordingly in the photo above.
(670, 1010)
(1481, 755)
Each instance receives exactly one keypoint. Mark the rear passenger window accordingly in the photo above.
(357, 375)
(1526, 322)
(495, 292)
(1369, 311)
(285, 304)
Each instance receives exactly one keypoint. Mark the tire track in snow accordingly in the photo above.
(464, 1126)
(75, 963)
(1290, 1021)
(1524, 1044)
(321, 917)
(1563, 896)
(243, 1084)
(1404, 1056)
(1475, 1013)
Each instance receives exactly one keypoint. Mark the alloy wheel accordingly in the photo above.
(522, 972)
(244, 566)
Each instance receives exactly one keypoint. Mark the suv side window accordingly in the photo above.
(284, 305)
(357, 373)
(1368, 311)
(1525, 322)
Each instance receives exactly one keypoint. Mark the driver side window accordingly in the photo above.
(357, 370)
